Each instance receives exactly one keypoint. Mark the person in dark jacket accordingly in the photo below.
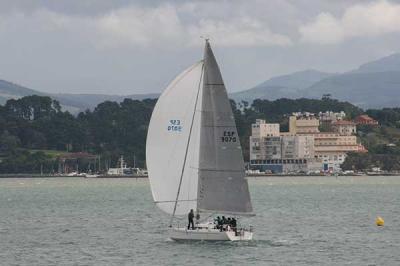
(223, 220)
(234, 226)
(234, 223)
(218, 221)
(224, 223)
(190, 218)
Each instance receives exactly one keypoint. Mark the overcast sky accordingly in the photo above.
(127, 47)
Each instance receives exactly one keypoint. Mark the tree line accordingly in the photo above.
(33, 129)
(33, 125)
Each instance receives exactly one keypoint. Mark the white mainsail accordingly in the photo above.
(193, 153)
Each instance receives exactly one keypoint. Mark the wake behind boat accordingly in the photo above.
(194, 156)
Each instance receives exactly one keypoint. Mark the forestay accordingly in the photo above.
(167, 140)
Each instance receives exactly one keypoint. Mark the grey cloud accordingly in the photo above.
(123, 46)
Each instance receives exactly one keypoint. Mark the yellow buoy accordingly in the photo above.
(379, 221)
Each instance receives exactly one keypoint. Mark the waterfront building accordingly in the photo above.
(331, 148)
(261, 132)
(344, 127)
(326, 119)
(262, 129)
(365, 120)
(271, 150)
(303, 123)
(331, 117)
(304, 147)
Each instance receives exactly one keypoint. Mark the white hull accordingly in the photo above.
(207, 234)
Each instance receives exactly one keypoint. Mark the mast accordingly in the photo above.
(187, 148)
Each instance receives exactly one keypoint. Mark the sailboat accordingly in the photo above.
(194, 156)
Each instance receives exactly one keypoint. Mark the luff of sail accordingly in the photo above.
(222, 185)
(167, 149)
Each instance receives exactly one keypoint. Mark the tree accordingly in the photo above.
(8, 142)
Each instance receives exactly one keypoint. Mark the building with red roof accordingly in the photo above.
(365, 120)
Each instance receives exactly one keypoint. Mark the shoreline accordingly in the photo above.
(146, 177)
(65, 176)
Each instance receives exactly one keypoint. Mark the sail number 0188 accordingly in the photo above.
(229, 136)
(175, 125)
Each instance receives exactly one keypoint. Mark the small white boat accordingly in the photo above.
(193, 153)
(124, 171)
(91, 175)
(76, 174)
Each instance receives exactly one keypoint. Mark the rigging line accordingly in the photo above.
(187, 148)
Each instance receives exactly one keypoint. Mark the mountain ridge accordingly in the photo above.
(72, 102)
(284, 86)
(372, 84)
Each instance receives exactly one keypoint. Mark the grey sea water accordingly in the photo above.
(300, 221)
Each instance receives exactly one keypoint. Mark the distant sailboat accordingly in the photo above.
(193, 153)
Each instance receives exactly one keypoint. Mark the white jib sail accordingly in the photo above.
(167, 141)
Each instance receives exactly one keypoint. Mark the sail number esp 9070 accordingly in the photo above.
(229, 136)
(174, 125)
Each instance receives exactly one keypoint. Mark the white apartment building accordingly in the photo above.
(259, 131)
(279, 152)
(331, 117)
(262, 129)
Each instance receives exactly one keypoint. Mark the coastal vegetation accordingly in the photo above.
(35, 132)
(382, 142)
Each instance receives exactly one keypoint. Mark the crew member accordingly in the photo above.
(190, 218)
(234, 223)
